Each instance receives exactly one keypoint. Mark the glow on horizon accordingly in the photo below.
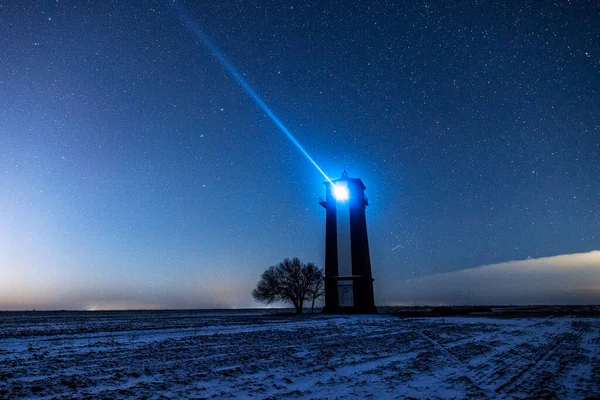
(216, 52)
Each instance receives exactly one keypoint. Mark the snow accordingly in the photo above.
(198, 355)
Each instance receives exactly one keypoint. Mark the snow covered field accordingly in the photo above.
(229, 355)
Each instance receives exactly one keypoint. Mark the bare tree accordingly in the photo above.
(290, 281)
(316, 285)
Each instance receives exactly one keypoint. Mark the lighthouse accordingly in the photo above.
(348, 278)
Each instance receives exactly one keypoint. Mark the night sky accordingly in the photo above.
(136, 172)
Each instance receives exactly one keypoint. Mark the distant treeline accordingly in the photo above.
(495, 311)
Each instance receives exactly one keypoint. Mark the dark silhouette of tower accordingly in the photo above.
(348, 279)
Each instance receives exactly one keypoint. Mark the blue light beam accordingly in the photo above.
(195, 28)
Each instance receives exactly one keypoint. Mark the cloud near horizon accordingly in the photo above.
(561, 280)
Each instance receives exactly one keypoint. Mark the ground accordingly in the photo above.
(232, 355)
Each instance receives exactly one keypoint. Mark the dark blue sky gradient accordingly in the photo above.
(131, 162)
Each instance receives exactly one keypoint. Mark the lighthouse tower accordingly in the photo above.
(348, 279)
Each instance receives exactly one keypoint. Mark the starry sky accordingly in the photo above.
(135, 172)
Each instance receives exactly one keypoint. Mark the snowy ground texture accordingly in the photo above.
(199, 355)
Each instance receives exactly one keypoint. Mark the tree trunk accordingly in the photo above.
(299, 308)
(312, 308)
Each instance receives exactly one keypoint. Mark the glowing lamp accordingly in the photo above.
(341, 193)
